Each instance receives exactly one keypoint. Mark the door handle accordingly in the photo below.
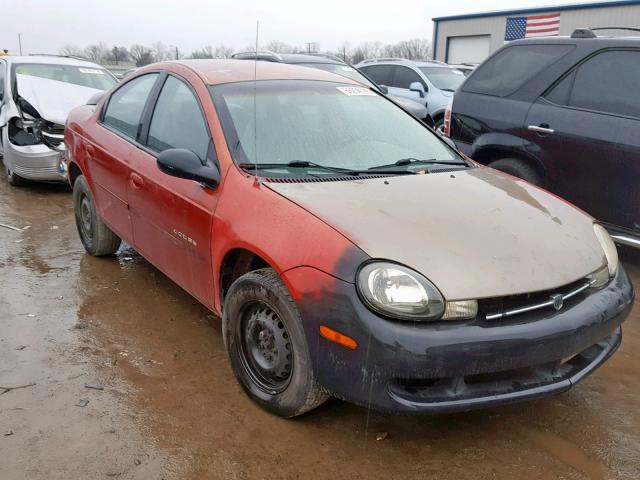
(136, 181)
(542, 128)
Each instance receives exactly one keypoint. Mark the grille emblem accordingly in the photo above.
(558, 301)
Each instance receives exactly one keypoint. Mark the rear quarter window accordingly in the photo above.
(511, 68)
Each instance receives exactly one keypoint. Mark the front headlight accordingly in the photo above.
(610, 251)
(399, 292)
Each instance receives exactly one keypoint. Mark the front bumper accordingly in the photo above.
(35, 162)
(444, 367)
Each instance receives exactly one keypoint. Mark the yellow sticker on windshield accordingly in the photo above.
(351, 91)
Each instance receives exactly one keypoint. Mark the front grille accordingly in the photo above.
(503, 307)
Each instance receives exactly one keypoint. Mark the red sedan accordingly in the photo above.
(349, 250)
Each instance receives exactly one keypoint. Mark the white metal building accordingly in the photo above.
(470, 38)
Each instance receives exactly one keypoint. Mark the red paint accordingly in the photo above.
(186, 230)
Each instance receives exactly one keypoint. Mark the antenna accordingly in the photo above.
(255, 111)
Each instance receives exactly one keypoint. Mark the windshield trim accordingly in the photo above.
(232, 140)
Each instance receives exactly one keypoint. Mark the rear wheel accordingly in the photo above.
(96, 237)
(267, 347)
(518, 168)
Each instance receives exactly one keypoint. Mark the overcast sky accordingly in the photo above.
(47, 25)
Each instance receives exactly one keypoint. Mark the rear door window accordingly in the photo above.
(609, 82)
(403, 77)
(125, 106)
(381, 74)
(177, 121)
(509, 69)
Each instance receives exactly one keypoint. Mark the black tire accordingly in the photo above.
(96, 237)
(263, 335)
(518, 168)
(14, 179)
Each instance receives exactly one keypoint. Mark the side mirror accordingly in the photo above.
(183, 163)
(95, 98)
(384, 89)
(418, 87)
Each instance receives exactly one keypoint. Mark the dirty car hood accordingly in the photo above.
(476, 233)
(53, 99)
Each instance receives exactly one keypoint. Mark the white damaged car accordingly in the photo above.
(36, 95)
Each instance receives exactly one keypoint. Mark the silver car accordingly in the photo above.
(430, 82)
(330, 63)
(36, 95)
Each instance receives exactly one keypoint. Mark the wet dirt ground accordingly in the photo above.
(169, 407)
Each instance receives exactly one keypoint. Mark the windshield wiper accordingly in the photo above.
(305, 164)
(417, 161)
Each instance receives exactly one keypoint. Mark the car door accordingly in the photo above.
(172, 217)
(585, 129)
(108, 151)
(380, 74)
(402, 78)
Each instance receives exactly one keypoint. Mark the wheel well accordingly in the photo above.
(74, 172)
(236, 263)
(488, 155)
(438, 116)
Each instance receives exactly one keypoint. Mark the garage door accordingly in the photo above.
(471, 49)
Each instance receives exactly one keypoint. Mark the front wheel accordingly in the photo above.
(96, 237)
(14, 179)
(267, 346)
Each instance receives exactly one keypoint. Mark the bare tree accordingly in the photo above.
(72, 51)
(222, 52)
(279, 47)
(141, 55)
(96, 53)
(206, 52)
(118, 54)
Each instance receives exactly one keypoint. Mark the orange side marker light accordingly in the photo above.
(336, 337)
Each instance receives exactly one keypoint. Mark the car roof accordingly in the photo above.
(403, 61)
(596, 42)
(216, 72)
(302, 58)
(49, 60)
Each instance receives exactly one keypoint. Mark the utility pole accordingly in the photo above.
(20, 43)
(177, 56)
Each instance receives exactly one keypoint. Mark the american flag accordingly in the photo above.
(532, 26)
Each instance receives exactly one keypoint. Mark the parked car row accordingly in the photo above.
(350, 249)
(345, 257)
(335, 65)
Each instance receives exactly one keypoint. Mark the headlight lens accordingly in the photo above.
(399, 292)
(610, 251)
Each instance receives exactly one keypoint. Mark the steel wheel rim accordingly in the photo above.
(85, 217)
(265, 345)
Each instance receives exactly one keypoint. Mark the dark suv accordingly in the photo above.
(563, 113)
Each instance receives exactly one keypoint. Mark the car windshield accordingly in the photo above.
(344, 70)
(331, 124)
(444, 78)
(92, 77)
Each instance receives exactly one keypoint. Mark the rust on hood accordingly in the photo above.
(475, 233)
